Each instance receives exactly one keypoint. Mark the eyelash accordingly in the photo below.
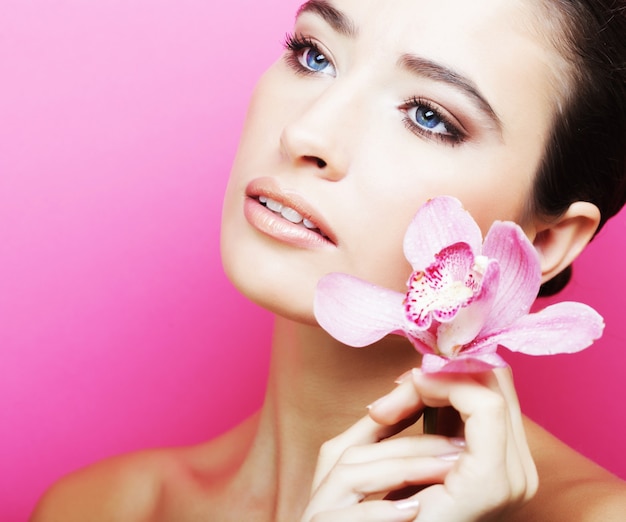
(295, 44)
(454, 136)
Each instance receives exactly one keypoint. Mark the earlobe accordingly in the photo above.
(559, 242)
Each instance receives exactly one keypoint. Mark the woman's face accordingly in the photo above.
(375, 107)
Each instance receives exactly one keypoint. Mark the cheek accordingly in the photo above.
(376, 255)
(501, 191)
(262, 127)
(265, 274)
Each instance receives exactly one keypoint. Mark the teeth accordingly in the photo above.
(288, 213)
(291, 215)
(273, 205)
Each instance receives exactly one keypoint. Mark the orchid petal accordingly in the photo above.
(428, 233)
(469, 320)
(440, 290)
(463, 301)
(520, 274)
(422, 340)
(355, 312)
(566, 327)
(462, 364)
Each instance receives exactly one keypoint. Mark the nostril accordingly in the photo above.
(316, 161)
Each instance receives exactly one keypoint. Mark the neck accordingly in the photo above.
(317, 388)
(314, 377)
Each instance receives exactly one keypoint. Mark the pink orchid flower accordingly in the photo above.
(464, 298)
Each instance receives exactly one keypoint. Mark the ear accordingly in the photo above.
(559, 242)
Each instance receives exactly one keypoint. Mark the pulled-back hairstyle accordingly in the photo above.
(585, 158)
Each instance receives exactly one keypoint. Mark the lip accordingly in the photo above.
(274, 225)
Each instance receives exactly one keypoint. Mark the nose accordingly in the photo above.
(319, 138)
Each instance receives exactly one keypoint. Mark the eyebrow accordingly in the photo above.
(335, 18)
(440, 73)
(420, 66)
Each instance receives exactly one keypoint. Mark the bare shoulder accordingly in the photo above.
(147, 486)
(571, 487)
(120, 488)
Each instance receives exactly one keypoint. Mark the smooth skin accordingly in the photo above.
(374, 108)
(210, 482)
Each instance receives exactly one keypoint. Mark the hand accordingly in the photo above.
(488, 476)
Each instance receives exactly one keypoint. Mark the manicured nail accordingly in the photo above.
(377, 402)
(450, 457)
(407, 504)
(416, 373)
(458, 442)
(403, 377)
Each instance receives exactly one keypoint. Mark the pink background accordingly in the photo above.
(118, 330)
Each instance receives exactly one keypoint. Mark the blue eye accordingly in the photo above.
(424, 119)
(305, 56)
(314, 60)
(428, 118)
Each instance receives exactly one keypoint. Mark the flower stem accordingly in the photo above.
(430, 418)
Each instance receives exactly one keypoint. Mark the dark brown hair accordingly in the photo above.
(585, 158)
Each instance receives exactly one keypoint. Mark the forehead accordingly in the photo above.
(498, 44)
(417, 15)
(435, 25)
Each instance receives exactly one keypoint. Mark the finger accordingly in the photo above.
(403, 401)
(497, 454)
(351, 483)
(364, 431)
(505, 381)
(482, 407)
(372, 511)
(406, 446)
(493, 431)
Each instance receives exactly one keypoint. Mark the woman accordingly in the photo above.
(375, 107)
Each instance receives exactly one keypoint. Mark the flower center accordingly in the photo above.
(448, 284)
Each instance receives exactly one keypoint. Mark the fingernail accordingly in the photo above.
(458, 442)
(376, 402)
(407, 504)
(389, 398)
(403, 377)
(450, 457)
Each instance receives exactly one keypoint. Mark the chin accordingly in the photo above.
(279, 302)
(273, 287)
